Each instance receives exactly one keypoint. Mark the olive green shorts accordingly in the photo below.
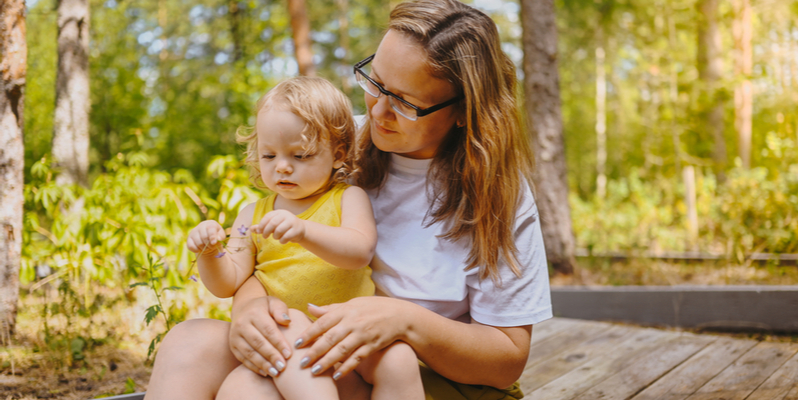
(438, 387)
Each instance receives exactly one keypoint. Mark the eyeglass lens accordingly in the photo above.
(374, 91)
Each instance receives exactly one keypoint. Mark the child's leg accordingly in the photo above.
(297, 383)
(293, 383)
(393, 373)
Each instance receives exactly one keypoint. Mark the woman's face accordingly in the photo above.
(400, 66)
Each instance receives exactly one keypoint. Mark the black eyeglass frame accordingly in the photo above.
(421, 112)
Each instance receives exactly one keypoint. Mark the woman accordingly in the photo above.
(460, 257)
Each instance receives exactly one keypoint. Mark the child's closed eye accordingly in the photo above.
(268, 156)
(304, 156)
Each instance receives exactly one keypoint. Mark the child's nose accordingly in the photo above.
(284, 167)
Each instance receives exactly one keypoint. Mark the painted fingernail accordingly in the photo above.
(298, 343)
(280, 365)
(286, 317)
(337, 375)
(304, 362)
(317, 369)
(313, 305)
(273, 372)
(286, 353)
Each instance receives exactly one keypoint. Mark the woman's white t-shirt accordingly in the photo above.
(413, 263)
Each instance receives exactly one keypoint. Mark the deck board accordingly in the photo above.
(598, 360)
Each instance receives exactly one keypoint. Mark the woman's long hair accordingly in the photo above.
(481, 169)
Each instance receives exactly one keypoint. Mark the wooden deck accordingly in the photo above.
(589, 360)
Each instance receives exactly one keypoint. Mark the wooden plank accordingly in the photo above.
(764, 308)
(780, 383)
(739, 379)
(565, 339)
(685, 379)
(598, 369)
(792, 393)
(545, 329)
(646, 370)
(541, 371)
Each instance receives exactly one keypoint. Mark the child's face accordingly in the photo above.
(285, 167)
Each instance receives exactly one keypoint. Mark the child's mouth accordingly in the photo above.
(286, 185)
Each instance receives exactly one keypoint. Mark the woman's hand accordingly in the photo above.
(351, 331)
(255, 339)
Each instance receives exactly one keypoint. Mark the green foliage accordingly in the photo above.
(752, 211)
(97, 240)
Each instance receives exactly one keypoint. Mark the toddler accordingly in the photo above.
(308, 242)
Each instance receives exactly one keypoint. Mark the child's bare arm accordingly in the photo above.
(223, 271)
(349, 246)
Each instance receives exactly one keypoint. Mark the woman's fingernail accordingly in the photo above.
(304, 362)
(298, 343)
(286, 353)
(286, 317)
(313, 305)
(280, 365)
(273, 372)
(317, 369)
(261, 371)
(337, 375)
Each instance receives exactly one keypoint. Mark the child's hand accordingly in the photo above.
(284, 226)
(206, 238)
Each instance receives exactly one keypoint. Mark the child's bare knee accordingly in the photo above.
(300, 322)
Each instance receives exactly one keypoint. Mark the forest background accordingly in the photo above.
(171, 81)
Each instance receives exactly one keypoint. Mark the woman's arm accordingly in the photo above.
(468, 353)
(349, 246)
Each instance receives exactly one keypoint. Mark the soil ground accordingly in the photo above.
(30, 368)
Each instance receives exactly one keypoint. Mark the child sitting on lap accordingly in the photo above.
(309, 242)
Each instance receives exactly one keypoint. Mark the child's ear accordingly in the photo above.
(338, 157)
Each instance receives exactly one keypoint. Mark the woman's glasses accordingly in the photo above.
(399, 105)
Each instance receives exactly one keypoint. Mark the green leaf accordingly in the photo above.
(138, 284)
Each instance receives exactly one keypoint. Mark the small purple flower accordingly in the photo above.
(193, 278)
(242, 230)
(221, 253)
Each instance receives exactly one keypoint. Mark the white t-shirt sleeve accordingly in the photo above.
(516, 301)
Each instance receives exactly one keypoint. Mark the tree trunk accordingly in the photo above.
(13, 66)
(71, 123)
(709, 66)
(301, 34)
(543, 115)
(344, 44)
(600, 118)
(742, 69)
(235, 15)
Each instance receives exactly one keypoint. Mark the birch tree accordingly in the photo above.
(543, 115)
(742, 69)
(13, 68)
(709, 66)
(71, 123)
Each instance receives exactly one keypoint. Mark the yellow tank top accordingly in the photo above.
(297, 276)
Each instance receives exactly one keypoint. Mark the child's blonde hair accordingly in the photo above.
(326, 112)
(482, 169)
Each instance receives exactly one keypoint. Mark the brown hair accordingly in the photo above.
(481, 169)
(327, 113)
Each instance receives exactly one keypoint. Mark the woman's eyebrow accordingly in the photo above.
(397, 92)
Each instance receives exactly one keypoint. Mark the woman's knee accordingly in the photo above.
(195, 340)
